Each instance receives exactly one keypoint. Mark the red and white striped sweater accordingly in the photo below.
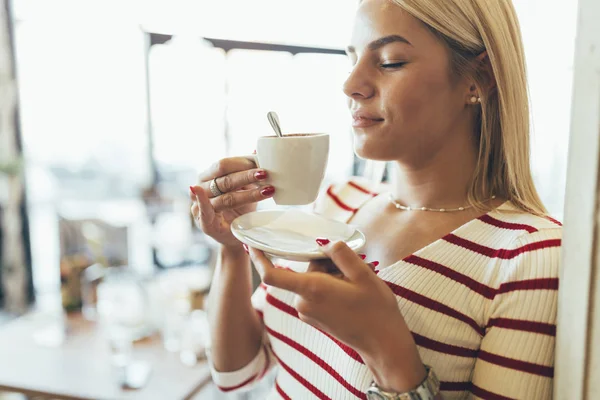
(481, 304)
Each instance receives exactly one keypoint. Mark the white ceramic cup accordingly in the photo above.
(295, 164)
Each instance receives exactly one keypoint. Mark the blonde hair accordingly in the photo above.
(470, 27)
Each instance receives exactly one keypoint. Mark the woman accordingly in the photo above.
(437, 88)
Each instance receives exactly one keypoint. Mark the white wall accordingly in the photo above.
(577, 369)
(548, 28)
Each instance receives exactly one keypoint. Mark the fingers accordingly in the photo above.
(312, 286)
(325, 266)
(268, 273)
(226, 166)
(236, 181)
(205, 210)
(373, 265)
(195, 210)
(305, 311)
(350, 263)
(261, 263)
(328, 267)
(240, 198)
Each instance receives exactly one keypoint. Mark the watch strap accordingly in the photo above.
(427, 390)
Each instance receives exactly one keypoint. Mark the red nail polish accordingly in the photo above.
(268, 191)
(323, 241)
(254, 152)
(362, 256)
(261, 175)
(375, 263)
(192, 190)
(246, 248)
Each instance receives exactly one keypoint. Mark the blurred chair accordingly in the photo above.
(96, 240)
(85, 242)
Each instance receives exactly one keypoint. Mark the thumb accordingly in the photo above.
(347, 261)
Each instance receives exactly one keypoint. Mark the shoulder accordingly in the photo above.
(526, 275)
(511, 216)
(515, 245)
(523, 228)
(534, 243)
(507, 225)
(341, 200)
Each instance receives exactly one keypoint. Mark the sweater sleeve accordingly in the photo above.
(516, 358)
(340, 201)
(248, 376)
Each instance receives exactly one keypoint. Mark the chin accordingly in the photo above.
(368, 150)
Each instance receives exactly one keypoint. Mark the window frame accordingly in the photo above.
(154, 38)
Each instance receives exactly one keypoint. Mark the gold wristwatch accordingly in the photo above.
(427, 390)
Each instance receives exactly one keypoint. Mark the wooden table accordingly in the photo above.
(80, 367)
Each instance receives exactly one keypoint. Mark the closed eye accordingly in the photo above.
(393, 65)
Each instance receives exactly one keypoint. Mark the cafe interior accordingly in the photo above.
(117, 106)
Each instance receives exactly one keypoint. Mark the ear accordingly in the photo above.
(484, 69)
(484, 65)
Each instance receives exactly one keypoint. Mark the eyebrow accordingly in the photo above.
(379, 43)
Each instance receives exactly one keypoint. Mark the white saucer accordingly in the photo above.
(291, 233)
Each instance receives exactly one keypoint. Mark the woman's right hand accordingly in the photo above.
(242, 186)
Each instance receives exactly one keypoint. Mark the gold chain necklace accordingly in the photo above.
(409, 208)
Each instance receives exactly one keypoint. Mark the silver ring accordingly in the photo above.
(214, 189)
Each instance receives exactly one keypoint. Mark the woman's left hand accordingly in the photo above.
(357, 308)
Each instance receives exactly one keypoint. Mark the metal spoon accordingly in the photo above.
(274, 121)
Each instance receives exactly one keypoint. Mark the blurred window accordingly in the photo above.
(207, 104)
(84, 111)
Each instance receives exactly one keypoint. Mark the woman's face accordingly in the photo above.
(404, 101)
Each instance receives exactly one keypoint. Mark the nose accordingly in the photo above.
(359, 85)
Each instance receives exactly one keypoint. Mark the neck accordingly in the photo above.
(442, 181)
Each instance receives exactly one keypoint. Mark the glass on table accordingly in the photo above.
(91, 278)
(122, 312)
(174, 322)
(195, 338)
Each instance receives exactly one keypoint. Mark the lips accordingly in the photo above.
(363, 119)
